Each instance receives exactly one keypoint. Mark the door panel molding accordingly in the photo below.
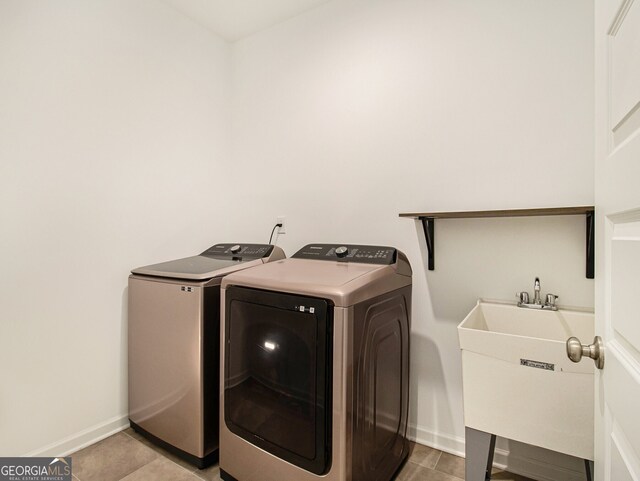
(624, 73)
(622, 449)
(619, 18)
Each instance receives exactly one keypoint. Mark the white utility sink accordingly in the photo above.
(518, 381)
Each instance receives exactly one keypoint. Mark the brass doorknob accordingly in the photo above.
(576, 350)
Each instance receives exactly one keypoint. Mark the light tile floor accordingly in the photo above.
(127, 456)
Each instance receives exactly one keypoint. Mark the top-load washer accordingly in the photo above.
(174, 334)
(315, 374)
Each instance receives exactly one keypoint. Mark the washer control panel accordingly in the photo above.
(348, 253)
(237, 251)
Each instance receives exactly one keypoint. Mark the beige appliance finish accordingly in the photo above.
(368, 292)
(173, 347)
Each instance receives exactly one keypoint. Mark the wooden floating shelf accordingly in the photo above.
(475, 214)
(428, 224)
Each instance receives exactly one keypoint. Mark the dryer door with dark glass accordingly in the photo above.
(278, 374)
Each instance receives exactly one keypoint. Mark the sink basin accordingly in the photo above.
(518, 381)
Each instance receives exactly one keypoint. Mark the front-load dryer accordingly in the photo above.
(174, 334)
(315, 366)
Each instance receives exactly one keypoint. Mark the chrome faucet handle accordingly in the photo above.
(551, 300)
(523, 297)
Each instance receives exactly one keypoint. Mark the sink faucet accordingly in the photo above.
(523, 299)
(536, 291)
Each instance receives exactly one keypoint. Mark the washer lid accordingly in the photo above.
(317, 270)
(216, 261)
(194, 268)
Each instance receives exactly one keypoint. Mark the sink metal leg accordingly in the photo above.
(479, 449)
(588, 465)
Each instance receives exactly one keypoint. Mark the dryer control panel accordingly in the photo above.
(236, 251)
(348, 253)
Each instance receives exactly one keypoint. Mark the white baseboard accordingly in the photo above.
(82, 439)
(503, 459)
(444, 442)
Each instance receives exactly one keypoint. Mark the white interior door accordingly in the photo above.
(617, 416)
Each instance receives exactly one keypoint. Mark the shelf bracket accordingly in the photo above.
(590, 235)
(428, 224)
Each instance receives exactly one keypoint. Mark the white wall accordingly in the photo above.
(362, 109)
(114, 121)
